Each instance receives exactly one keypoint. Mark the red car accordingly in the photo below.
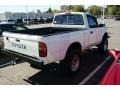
(112, 76)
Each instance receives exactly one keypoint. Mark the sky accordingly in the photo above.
(22, 8)
(43, 5)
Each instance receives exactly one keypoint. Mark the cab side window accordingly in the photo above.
(92, 21)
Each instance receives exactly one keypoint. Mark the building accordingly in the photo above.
(15, 16)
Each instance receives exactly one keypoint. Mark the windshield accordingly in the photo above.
(72, 19)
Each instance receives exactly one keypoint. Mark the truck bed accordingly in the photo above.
(46, 31)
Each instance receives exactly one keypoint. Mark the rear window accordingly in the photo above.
(69, 19)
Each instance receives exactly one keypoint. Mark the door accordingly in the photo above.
(93, 30)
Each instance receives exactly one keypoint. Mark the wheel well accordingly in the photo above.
(105, 35)
(73, 45)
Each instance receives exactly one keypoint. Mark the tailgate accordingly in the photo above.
(22, 43)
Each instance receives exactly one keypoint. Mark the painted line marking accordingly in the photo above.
(94, 71)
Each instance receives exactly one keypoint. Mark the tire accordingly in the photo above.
(71, 65)
(103, 46)
(0, 50)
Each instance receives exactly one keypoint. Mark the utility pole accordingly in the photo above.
(103, 15)
(27, 13)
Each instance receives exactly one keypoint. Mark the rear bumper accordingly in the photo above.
(31, 60)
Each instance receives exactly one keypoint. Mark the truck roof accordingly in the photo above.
(72, 13)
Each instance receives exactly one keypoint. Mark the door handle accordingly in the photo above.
(91, 32)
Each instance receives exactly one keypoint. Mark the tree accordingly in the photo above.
(38, 11)
(64, 8)
(55, 11)
(49, 11)
(113, 10)
(74, 8)
(77, 8)
(95, 10)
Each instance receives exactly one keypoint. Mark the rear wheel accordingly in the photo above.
(72, 62)
(103, 47)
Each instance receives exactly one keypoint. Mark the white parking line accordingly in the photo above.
(94, 71)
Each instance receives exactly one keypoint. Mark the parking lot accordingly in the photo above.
(23, 74)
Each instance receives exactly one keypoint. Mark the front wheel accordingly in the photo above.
(103, 47)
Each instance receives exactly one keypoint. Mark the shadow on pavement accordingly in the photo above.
(91, 59)
(7, 60)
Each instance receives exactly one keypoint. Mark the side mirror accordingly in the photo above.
(101, 25)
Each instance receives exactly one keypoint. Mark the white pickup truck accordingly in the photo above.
(71, 33)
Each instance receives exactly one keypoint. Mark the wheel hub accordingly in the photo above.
(75, 63)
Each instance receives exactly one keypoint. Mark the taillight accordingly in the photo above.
(42, 49)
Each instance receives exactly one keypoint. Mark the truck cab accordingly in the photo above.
(81, 20)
